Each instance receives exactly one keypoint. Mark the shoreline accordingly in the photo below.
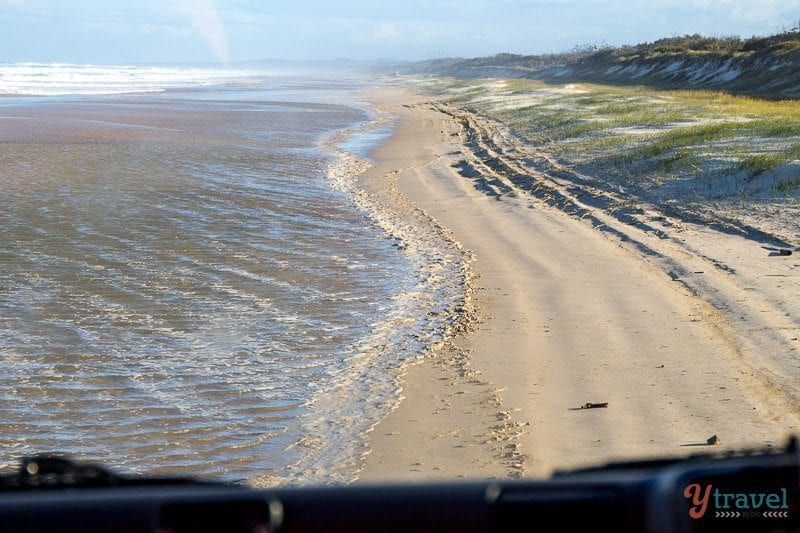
(433, 308)
(550, 336)
(445, 364)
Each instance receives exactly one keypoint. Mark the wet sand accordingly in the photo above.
(562, 312)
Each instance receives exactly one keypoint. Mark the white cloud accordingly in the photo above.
(767, 14)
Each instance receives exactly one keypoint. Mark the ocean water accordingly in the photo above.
(66, 79)
(183, 287)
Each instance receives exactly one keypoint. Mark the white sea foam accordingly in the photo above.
(58, 79)
(365, 386)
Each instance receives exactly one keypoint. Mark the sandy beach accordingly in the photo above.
(682, 331)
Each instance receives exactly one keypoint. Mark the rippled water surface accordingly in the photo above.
(179, 283)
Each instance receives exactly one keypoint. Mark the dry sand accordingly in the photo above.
(564, 312)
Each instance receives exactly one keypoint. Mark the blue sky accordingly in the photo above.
(116, 31)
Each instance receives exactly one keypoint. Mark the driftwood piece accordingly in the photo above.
(589, 405)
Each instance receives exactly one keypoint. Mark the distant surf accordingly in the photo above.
(62, 79)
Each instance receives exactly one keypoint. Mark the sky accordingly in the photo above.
(226, 31)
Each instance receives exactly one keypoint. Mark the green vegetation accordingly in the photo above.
(646, 137)
(787, 186)
(685, 137)
(759, 163)
(691, 46)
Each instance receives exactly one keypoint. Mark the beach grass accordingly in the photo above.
(788, 186)
(759, 163)
(659, 136)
